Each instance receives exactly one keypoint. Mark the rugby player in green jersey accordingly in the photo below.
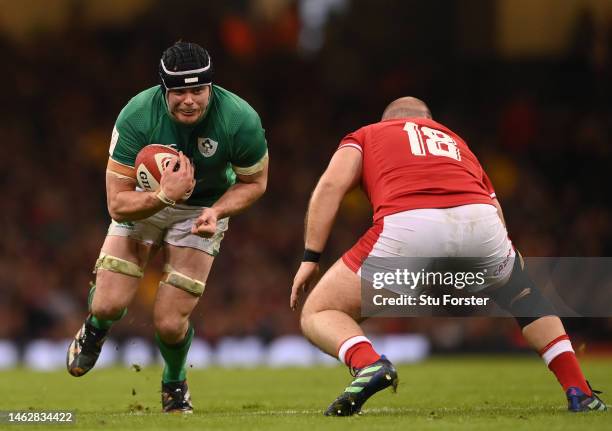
(223, 158)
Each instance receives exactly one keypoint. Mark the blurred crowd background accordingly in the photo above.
(527, 84)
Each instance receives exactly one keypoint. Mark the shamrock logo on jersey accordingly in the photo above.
(207, 146)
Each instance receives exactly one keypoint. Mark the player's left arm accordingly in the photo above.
(244, 193)
(238, 197)
(249, 159)
(342, 175)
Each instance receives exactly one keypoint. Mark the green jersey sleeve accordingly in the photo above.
(249, 149)
(129, 132)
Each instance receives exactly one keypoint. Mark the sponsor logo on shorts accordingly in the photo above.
(502, 266)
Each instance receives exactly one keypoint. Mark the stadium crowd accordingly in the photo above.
(542, 129)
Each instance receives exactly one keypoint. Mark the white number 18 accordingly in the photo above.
(438, 143)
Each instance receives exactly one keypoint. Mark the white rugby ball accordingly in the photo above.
(150, 163)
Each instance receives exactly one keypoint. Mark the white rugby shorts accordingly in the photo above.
(472, 233)
(171, 226)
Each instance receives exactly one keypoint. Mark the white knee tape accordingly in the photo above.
(116, 264)
(183, 282)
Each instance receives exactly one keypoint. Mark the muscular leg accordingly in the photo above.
(548, 337)
(332, 309)
(330, 321)
(541, 328)
(115, 291)
(173, 306)
(331, 314)
(542, 331)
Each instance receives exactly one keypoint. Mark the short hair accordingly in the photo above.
(406, 107)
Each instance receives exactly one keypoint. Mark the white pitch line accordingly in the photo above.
(382, 410)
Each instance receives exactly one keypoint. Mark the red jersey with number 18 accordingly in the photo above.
(415, 163)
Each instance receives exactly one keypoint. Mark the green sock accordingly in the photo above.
(105, 324)
(100, 323)
(175, 356)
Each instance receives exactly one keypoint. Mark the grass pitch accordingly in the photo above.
(450, 393)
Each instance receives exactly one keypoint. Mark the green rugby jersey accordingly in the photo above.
(228, 138)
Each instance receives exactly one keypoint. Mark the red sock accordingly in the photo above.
(357, 352)
(561, 360)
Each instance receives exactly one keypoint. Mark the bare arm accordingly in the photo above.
(342, 175)
(243, 194)
(123, 202)
(126, 204)
(237, 198)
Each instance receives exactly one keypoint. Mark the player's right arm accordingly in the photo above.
(342, 175)
(128, 138)
(126, 204)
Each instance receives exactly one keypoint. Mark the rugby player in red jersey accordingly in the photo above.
(432, 198)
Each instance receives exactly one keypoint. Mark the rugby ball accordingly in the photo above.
(150, 163)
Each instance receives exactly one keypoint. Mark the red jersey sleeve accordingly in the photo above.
(354, 139)
(488, 184)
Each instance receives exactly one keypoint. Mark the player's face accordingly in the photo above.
(187, 105)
